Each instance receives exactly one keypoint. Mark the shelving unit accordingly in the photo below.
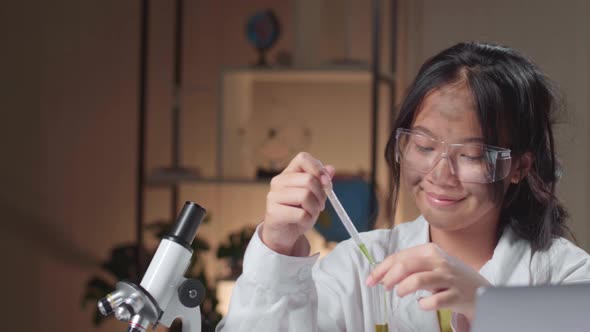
(241, 85)
(307, 103)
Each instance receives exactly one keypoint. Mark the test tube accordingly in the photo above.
(380, 306)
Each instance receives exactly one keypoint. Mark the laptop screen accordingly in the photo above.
(534, 308)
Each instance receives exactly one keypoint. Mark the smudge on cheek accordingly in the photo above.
(412, 179)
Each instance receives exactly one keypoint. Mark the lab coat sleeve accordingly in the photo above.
(274, 293)
(571, 264)
(340, 300)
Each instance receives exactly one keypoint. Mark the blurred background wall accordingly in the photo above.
(69, 120)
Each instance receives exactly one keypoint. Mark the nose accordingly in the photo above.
(443, 173)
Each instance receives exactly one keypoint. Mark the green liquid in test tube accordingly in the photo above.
(365, 252)
(381, 328)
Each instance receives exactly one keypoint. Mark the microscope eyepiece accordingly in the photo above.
(187, 223)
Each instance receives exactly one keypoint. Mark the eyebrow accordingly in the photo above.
(464, 140)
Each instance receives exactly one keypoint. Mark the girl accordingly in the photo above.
(473, 143)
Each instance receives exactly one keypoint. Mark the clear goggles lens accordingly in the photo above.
(470, 162)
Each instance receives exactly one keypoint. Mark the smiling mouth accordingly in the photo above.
(442, 200)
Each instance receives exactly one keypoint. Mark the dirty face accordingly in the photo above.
(448, 114)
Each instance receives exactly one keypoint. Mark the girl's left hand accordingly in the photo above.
(427, 267)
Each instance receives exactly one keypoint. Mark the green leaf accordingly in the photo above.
(96, 289)
(121, 261)
(200, 245)
(236, 245)
(98, 317)
(159, 228)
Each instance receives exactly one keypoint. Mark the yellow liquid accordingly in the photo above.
(381, 328)
(365, 252)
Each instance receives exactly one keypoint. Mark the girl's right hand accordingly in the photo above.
(293, 204)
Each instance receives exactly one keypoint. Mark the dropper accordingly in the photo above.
(354, 234)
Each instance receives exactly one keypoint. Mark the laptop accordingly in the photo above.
(548, 308)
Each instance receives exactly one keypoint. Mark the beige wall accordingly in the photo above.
(68, 135)
(67, 138)
(555, 35)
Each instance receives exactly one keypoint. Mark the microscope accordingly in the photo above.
(164, 294)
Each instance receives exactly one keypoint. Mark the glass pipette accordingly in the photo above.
(354, 234)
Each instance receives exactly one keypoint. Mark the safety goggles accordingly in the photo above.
(470, 162)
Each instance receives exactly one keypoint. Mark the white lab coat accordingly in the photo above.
(282, 293)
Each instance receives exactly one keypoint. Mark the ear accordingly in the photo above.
(523, 166)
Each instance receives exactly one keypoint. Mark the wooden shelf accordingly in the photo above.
(348, 74)
(165, 177)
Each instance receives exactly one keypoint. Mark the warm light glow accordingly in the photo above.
(224, 289)
(318, 243)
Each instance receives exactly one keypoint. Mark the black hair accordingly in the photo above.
(514, 101)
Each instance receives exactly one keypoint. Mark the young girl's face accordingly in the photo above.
(448, 114)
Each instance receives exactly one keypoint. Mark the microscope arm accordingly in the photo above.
(185, 305)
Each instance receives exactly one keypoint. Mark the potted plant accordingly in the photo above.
(233, 251)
